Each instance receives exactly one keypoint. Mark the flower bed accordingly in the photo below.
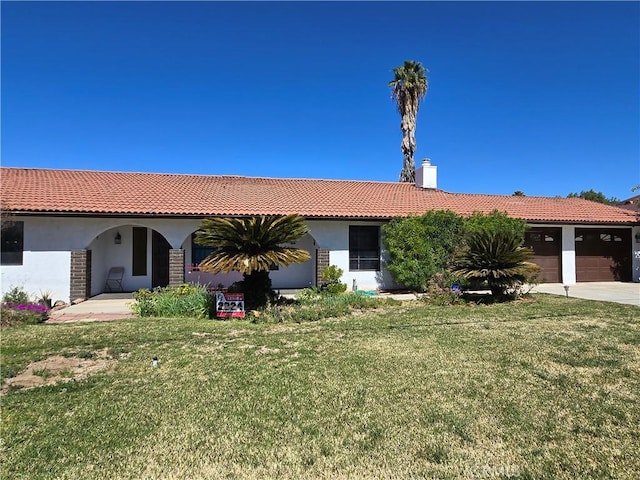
(22, 313)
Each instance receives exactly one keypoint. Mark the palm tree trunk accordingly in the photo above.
(257, 290)
(408, 147)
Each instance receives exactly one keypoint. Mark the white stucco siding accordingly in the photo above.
(299, 275)
(46, 260)
(334, 236)
(40, 272)
(105, 254)
(568, 255)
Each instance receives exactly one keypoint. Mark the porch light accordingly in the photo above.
(118, 239)
(638, 237)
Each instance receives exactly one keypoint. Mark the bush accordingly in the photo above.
(186, 300)
(16, 296)
(420, 247)
(332, 285)
(497, 257)
(495, 221)
(439, 291)
(12, 314)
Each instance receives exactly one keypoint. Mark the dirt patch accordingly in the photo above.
(59, 369)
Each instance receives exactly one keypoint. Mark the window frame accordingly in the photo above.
(363, 241)
(12, 253)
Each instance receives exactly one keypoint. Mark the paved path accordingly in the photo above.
(101, 308)
(619, 292)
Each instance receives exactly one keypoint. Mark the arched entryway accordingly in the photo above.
(142, 251)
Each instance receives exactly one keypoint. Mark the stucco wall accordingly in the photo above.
(48, 242)
(334, 235)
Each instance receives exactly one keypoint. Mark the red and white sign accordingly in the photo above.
(229, 305)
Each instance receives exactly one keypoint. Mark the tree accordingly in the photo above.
(408, 87)
(594, 197)
(421, 246)
(252, 246)
(518, 193)
(497, 257)
(494, 221)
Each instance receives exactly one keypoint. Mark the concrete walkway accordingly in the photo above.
(618, 292)
(101, 308)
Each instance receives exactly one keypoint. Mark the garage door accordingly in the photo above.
(603, 255)
(546, 244)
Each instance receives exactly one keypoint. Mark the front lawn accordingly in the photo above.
(543, 388)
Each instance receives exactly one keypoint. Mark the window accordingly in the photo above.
(198, 252)
(364, 248)
(139, 254)
(12, 243)
(534, 236)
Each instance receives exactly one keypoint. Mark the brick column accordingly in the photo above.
(80, 279)
(176, 267)
(322, 262)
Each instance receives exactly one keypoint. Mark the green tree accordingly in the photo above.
(497, 257)
(492, 250)
(408, 87)
(420, 246)
(595, 197)
(494, 221)
(251, 246)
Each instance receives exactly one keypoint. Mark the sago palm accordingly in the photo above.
(408, 87)
(497, 257)
(251, 246)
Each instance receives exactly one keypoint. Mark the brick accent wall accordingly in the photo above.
(80, 281)
(176, 267)
(322, 262)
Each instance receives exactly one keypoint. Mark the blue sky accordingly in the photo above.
(541, 97)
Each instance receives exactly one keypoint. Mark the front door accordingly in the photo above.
(159, 260)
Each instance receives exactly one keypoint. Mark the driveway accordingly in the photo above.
(618, 292)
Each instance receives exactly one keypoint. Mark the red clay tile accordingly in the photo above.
(123, 194)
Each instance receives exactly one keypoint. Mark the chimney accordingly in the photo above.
(427, 175)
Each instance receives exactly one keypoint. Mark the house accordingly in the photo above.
(632, 203)
(64, 229)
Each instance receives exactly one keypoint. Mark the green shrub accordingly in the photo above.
(331, 276)
(186, 300)
(497, 257)
(421, 246)
(439, 291)
(12, 314)
(495, 221)
(16, 296)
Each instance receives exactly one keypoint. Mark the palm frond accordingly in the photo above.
(497, 257)
(251, 244)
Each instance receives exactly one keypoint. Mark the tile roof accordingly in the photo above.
(123, 193)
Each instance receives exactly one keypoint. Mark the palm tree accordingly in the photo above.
(252, 246)
(497, 257)
(408, 87)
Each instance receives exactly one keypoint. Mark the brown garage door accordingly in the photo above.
(603, 255)
(546, 244)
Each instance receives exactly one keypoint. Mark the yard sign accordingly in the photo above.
(229, 305)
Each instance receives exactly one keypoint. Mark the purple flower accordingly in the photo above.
(28, 307)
